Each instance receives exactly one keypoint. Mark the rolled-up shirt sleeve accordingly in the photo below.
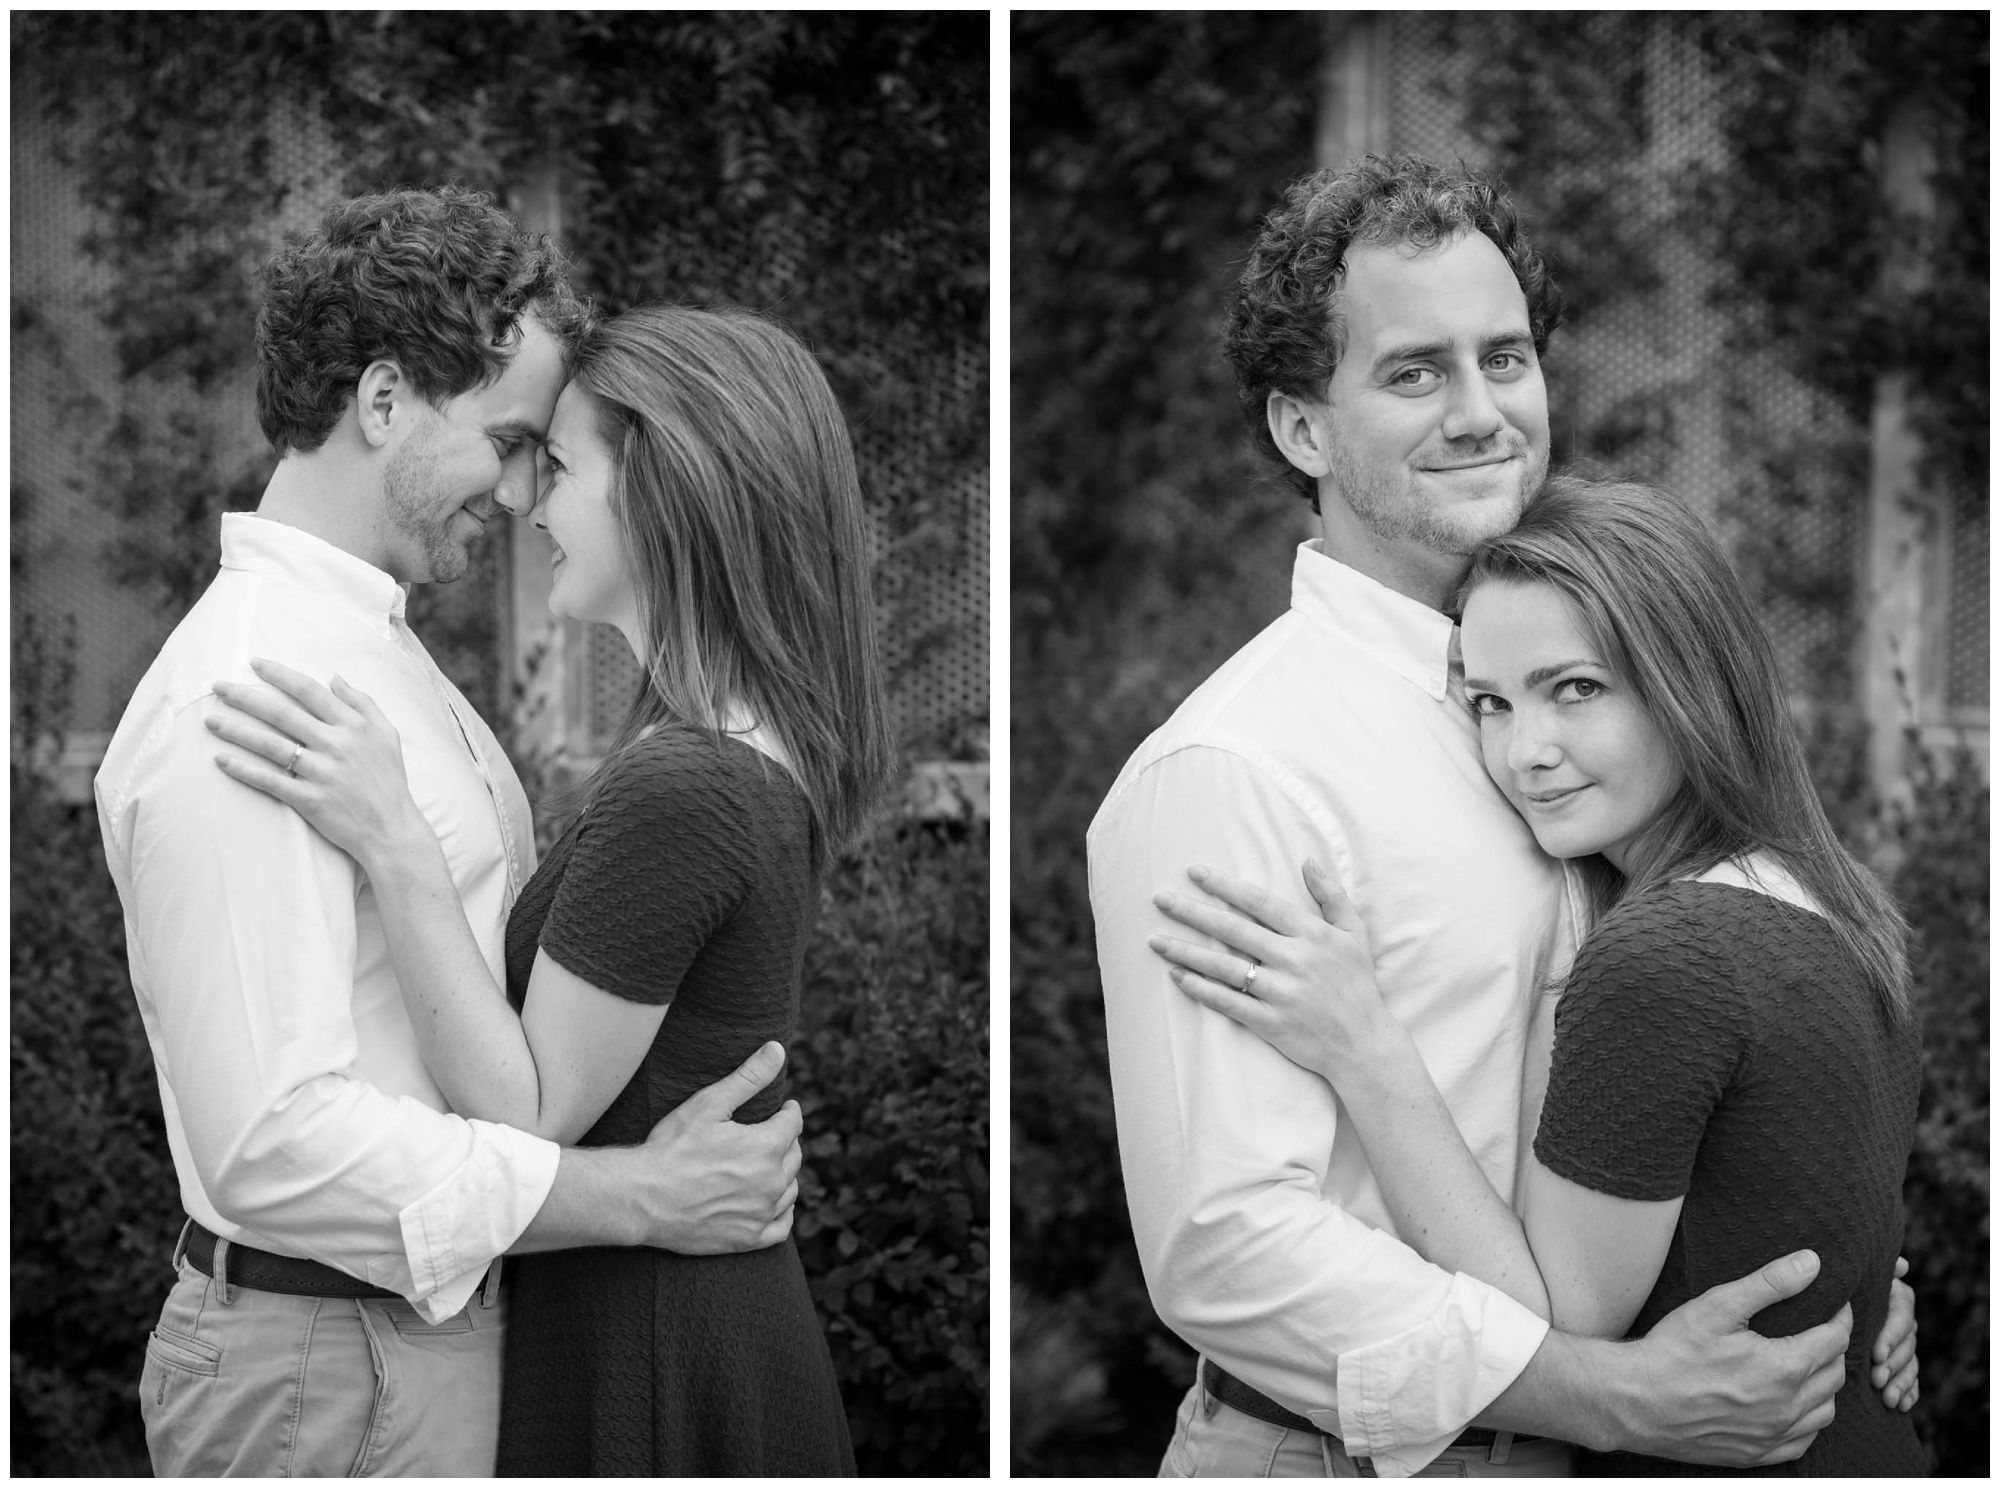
(241, 924)
(1227, 1147)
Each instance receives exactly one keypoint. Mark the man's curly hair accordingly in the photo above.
(1286, 332)
(435, 281)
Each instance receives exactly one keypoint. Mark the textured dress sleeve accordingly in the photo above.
(661, 860)
(1650, 1033)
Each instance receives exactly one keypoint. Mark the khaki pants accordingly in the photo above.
(1213, 1440)
(270, 1385)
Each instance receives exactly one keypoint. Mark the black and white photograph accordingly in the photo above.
(1482, 664)
(1499, 643)
(501, 743)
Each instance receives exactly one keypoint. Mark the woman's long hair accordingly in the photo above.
(733, 483)
(1655, 593)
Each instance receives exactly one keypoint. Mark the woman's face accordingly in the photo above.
(1564, 737)
(591, 577)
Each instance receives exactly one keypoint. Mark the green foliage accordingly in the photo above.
(94, 1205)
(1155, 148)
(1825, 263)
(1945, 888)
(890, 1068)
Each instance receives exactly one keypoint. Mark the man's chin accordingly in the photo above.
(1465, 525)
(449, 562)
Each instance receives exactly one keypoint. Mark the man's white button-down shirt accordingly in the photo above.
(1263, 1235)
(299, 1112)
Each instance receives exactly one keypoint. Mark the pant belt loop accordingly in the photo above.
(181, 1245)
(224, 1292)
(1502, 1448)
(490, 1293)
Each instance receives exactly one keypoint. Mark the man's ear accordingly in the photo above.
(381, 398)
(1298, 429)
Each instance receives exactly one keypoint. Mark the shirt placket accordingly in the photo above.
(407, 640)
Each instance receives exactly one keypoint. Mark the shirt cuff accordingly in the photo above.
(452, 1234)
(1405, 1399)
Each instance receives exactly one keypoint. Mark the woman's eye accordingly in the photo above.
(1485, 704)
(1577, 689)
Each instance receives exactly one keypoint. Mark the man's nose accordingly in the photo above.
(516, 490)
(1470, 412)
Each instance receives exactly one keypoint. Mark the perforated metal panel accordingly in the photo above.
(1968, 630)
(931, 554)
(931, 585)
(63, 398)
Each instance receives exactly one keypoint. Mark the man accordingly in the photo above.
(337, 1309)
(1386, 336)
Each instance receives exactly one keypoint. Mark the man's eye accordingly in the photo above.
(1417, 378)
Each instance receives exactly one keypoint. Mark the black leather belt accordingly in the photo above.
(260, 1271)
(1232, 1392)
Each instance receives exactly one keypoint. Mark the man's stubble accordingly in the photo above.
(415, 507)
(1394, 510)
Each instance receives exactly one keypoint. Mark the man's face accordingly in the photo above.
(465, 460)
(1437, 417)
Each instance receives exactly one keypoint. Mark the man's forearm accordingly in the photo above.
(1572, 1390)
(596, 1199)
(1702, 1386)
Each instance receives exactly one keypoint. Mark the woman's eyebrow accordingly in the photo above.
(1537, 677)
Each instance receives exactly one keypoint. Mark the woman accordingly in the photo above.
(702, 499)
(1735, 1063)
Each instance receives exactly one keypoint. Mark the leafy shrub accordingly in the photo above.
(890, 1067)
(1944, 888)
(95, 1206)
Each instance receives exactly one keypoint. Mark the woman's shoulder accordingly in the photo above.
(1678, 928)
(1724, 904)
(1711, 935)
(678, 771)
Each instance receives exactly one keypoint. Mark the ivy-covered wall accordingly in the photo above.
(828, 167)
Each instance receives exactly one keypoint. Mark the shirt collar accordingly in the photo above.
(259, 545)
(1411, 639)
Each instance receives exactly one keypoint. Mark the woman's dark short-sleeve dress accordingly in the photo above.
(1719, 1044)
(690, 881)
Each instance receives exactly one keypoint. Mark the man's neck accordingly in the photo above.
(1429, 577)
(315, 495)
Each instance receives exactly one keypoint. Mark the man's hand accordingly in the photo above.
(1716, 1393)
(723, 1187)
(1895, 1352)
